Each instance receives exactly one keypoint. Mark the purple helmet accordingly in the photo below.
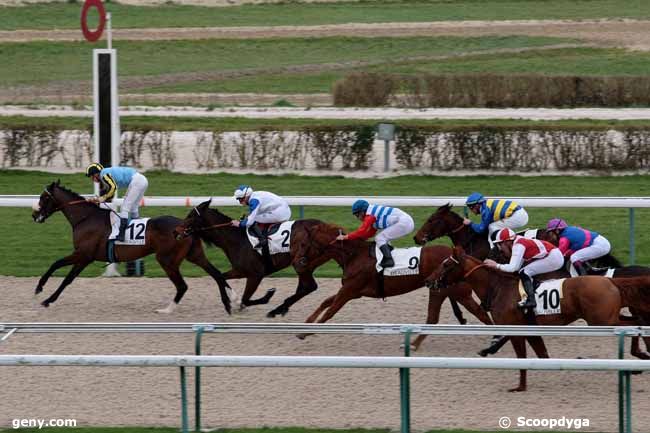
(556, 224)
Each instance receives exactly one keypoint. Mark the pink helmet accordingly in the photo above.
(556, 224)
(504, 235)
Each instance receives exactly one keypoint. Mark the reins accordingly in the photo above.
(213, 226)
(468, 273)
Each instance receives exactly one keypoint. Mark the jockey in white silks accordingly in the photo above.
(265, 208)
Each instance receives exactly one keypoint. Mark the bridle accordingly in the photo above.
(189, 230)
(61, 206)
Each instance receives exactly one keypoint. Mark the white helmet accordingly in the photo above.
(243, 191)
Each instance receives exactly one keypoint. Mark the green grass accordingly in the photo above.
(576, 61)
(66, 16)
(28, 249)
(41, 62)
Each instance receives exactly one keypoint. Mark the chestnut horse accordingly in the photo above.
(214, 228)
(91, 227)
(597, 300)
(360, 277)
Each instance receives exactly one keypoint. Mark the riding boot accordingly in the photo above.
(124, 222)
(260, 235)
(580, 268)
(387, 259)
(529, 288)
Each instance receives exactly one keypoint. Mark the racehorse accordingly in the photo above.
(360, 277)
(214, 228)
(597, 300)
(91, 228)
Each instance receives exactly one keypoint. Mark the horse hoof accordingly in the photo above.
(301, 336)
(45, 304)
(642, 355)
(518, 389)
(636, 372)
(483, 353)
(271, 314)
(38, 290)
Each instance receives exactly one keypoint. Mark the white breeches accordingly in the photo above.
(134, 193)
(598, 248)
(277, 215)
(515, 221)
(552, 262)
(402, 227)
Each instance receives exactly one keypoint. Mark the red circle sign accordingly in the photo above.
(92, 36)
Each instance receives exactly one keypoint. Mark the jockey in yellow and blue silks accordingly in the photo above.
(112, 178)
(496, 214)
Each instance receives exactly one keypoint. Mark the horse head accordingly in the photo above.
(48, 203)
(451, 270)
(310, 243)
(443, 222)
(193, 221)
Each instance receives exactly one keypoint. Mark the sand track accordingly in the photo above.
(279, 397)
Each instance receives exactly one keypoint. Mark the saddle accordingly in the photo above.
(267, 229)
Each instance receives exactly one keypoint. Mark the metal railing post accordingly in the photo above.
(621, 402)
(405, 387)
(197, 381)
(301, 212)
(632, 243)
(628, 401)
(184, 422)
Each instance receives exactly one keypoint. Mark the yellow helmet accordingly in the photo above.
(94, 168)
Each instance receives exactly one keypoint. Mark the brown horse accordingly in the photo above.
(214, 228)
(597, 300)
(90, 230)
(360, 278)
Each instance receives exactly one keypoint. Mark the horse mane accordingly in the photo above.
(75, 195)
(222, 217)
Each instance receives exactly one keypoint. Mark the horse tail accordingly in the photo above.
(635, 291)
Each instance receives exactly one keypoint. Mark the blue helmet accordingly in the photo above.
(359, 206)
(474, 198)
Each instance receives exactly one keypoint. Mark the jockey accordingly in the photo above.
(541, 256)
(112, 178)
(578, 243)
(264, 208)
(394, 222)
(495, 214)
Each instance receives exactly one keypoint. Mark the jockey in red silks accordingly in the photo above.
(529, 257)
(577, 243)
(393, 222)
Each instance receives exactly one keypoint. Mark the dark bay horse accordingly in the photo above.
(214, 228)
(90, 230)
(360, 278)
(597, 300)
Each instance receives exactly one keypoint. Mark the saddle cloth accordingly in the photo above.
(279, 240)
(135, 232)
(548, 296)
(407, 261)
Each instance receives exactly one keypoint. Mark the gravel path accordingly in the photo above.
(280, 397)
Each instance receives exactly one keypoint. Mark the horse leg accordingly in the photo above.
(635, 348)
(313, 316)
(252, 283)
(66, 261)
(197, 256)
(519, 344)
(538, 345)
(306, 285)
(175, 276)
(433, 315)
(74, 273)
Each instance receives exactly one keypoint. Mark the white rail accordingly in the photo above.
(324, 362)
(558, 202)
(324, 328)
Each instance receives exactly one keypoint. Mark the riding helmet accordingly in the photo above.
(505, 235)
(556, 224)
(94, 168)
(474, 198)
(243, 191)
(359, 206)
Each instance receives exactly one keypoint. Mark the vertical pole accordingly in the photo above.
(109, 31)
(197, 382)
(621, 399)
(184, 422)
(386, 155)
(628, 402)
(405, 388)
(632, 245)
(301, 211)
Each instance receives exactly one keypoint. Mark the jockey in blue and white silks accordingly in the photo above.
(496, 214)
(393, 223)
(112, 178)
(264, 208)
